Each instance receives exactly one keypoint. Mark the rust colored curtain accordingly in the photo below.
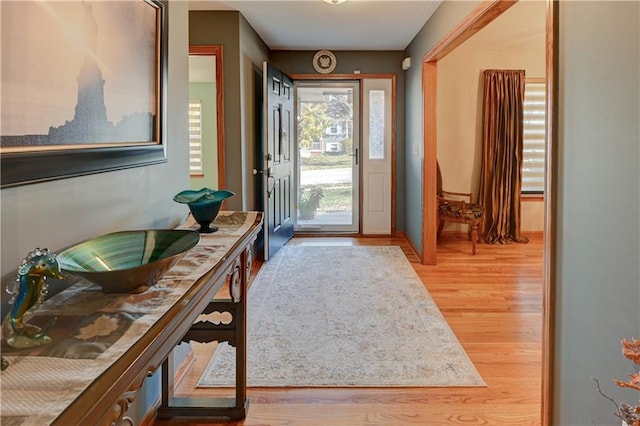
(502, 139)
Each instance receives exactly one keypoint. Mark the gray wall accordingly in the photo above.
(243, 50)
(597, 277)
(253, 52)
(367, 62)
(208, 28)
(443, 20)
(61, 213)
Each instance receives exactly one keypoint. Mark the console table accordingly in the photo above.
(105, 345)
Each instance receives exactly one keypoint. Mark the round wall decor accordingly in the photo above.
(324, 61)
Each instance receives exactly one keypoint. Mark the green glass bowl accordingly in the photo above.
(128, 261)
(204, 205)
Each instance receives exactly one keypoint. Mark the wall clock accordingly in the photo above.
(324, 61)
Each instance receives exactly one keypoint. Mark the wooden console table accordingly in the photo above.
(104, 346)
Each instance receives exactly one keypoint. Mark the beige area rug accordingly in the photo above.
(343, 316)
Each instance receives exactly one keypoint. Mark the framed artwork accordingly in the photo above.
(324, 61)
(83, 88)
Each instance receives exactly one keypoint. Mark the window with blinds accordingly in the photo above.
(195, 138)
(534, 137)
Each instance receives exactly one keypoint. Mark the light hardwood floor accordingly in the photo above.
(493, 303)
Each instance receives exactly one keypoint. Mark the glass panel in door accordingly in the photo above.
(328, 147)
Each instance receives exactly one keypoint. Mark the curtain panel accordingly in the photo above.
(502, 144)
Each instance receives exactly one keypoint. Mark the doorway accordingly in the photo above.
(478, 19)
(206, 117)
(328, 147)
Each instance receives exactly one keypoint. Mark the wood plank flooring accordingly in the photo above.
(493, 303)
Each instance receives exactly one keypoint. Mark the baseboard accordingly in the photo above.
(465, 234)
(183, 368)
(413, 248)
(455, 234)
(181, 374)
(299, 234)
(533, 234)
(149, 417)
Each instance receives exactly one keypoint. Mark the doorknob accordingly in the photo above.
(266, 171)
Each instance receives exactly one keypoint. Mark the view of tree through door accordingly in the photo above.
(328, 156)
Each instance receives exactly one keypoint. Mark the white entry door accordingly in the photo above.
(376, 156)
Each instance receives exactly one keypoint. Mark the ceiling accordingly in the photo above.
(316, 25)
(521, 27)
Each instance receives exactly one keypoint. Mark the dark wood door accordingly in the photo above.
(278, 159)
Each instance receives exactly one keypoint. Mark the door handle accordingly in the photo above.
(268, 172)
(356, 154)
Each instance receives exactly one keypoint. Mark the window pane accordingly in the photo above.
(376, 125)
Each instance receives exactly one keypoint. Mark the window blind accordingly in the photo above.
(533, 164)
(195, 138)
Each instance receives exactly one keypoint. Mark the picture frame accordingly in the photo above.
(76, 145)
(324, 61)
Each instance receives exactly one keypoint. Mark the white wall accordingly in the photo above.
(459, 106)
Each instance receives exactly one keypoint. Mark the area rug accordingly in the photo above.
(343, 316)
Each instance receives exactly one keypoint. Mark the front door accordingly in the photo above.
(278, 163)
(328, 148)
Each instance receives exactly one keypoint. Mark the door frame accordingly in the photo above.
(474, 22)
(394, 97)
(216, 51)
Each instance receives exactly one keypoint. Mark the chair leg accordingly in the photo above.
(474, 237)
(440, 228)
